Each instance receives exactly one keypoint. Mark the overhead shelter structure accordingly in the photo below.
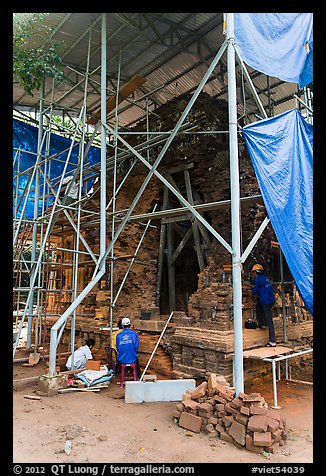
(134, 63)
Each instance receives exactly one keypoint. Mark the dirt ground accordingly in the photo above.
(104, 429)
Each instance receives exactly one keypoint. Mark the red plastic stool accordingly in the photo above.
(122, 375)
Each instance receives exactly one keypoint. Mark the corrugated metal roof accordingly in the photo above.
(171, 50)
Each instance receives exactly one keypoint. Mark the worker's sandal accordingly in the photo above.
(271, 344)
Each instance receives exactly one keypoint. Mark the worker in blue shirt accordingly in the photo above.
(127, 343)
(263, 289)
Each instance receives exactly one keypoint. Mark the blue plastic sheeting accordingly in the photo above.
(281, 150)
(25, 137)
(277, 44)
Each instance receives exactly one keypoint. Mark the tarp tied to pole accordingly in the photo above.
(281, 150)
(25, 138)
(277, 44)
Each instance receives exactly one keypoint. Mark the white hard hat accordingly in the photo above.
(125, 321)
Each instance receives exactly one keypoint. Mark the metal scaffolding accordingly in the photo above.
(34, 235)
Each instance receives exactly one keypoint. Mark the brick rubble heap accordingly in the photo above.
(244, 420)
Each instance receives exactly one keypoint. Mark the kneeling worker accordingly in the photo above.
(127, 343)
(81, 355)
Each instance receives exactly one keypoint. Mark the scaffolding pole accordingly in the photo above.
(238, 380)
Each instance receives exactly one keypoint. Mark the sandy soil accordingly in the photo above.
(103, 428)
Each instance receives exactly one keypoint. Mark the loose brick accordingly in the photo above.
(179, 407)
(226, 437)
(228, 396)
(209, 428)
(220, 399)
(251, 447)
(243, 419)
(273, 448)
(176, 414)
(199, 391)
(219, 428)
(253, 397)
(190, 406)
(228, 420)
(272, 424)
(238, 432)
(257, 410)
(219, 407)
(212, 420)
(221, 380)
(205, 421)
(186, 396)
(190, 422)
(245, 410)
(211, 384)
(237, 445)
(205, 408)
(257, 423)
(230, 409)
(211, 401)
(262, 439)
(277, 434)
(242, 395)
(236, 403)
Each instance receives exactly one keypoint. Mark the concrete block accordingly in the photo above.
(159, 391)
(50, 385)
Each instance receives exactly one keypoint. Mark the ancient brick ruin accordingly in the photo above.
(180, 266)
(244, 420)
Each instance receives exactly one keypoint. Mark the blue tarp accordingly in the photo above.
(277, 44)
(281, 150)
(25, 137)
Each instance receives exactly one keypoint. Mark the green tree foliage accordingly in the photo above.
(33, 59)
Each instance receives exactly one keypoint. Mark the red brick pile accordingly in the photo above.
(244, 420)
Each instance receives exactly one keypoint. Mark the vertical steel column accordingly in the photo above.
(114, 192)
(35, 216)
(235, 209)
(77, 236)
(103, 145)
(283, 310)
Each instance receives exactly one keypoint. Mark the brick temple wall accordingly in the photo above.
(202, 338)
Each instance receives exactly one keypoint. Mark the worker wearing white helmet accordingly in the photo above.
(127, 343)
(263, 289)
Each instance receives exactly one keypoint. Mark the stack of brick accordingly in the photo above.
(244, 420)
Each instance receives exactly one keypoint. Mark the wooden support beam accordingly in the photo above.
(124, 92)
(161, 250)
(194, 225)
(181, 245)
(179, 168)
(171, 270)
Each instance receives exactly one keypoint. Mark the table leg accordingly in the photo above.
(274, 385)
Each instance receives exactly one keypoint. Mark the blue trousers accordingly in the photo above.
(265, 318)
